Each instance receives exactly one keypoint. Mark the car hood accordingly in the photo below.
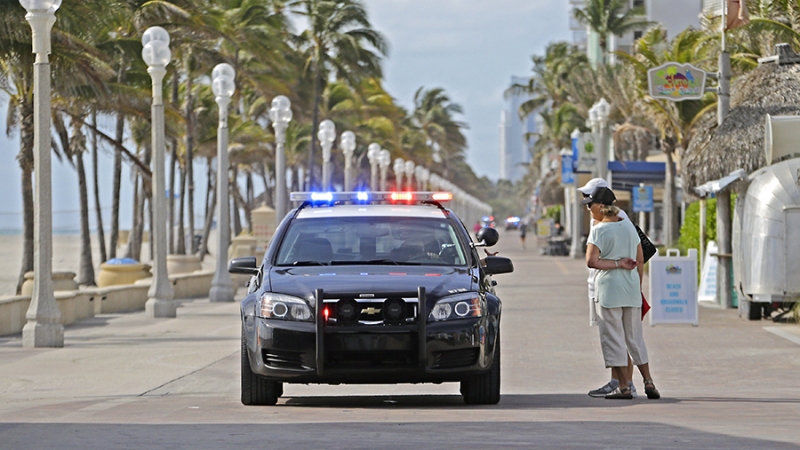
(379, 280)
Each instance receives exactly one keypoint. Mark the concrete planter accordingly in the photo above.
(62, 281)
(178, 264)
(116, 274)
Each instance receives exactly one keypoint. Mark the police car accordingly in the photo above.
(372, 287)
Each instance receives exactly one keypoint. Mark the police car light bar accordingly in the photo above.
(370, 197)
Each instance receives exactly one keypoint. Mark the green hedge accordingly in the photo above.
(690, 230)
(553, 212)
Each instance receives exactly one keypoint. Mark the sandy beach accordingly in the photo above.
(66, 257)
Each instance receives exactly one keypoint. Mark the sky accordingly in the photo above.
(471, 48)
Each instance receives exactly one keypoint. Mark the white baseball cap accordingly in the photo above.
(593, 184)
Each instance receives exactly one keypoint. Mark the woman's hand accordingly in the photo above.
(627, 263)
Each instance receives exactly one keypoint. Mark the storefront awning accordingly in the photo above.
(629, 174)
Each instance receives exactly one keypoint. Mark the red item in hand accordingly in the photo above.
(645, 306)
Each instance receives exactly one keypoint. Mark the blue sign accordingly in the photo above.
(567, 175)
(642, 199)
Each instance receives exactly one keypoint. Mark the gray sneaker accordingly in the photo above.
(602, 391)
(633, 389)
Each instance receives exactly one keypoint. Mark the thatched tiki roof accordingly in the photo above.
(715, 151)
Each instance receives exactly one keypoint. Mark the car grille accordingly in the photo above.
(372, 311)
(452, 359)
(282, 359)
(372, 359)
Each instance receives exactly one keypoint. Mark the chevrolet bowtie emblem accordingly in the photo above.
(371, 310)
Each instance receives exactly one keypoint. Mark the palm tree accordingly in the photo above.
(674, 121)
(551, 73)
(339, 42)
(610, 17)
(75, 66)
(434, 115)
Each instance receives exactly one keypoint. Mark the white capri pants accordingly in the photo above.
(620, 335)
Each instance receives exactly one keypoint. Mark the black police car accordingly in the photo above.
(374, 287)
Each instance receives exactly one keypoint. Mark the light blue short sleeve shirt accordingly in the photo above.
(616, 288)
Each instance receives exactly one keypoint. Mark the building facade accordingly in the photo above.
(516, 136)
(673, 15)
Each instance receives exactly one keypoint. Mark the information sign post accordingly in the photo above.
(673, 288)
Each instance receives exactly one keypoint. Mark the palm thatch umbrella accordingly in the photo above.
(715, 151)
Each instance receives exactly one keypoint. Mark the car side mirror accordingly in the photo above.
(487, 237)
(497, 265)
(246, 265)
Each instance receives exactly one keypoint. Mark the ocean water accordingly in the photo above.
(56, 232)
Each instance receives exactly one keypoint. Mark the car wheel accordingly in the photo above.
(257, 390)
(484, 389)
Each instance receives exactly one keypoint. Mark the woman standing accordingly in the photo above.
(614, 249)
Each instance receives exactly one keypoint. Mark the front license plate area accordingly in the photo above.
(371, 350)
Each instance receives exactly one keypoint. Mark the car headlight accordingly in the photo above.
(284, 307)
(459, 306)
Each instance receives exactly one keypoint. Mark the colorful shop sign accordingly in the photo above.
(676, 82)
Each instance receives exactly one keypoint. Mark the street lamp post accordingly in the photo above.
(223, 86)
(43, 328)
(409, 166)
(281, 114)
(348, 144)
(577, 217)
(602, 110)
(156, 55)
(385, 160)
(326, 135)
(373, 155)
(424, 177)
(398, 168)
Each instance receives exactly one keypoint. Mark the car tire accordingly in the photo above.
(484, 389)
(257, 390)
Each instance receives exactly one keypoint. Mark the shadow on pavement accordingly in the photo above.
(507, 402)
(341, 435)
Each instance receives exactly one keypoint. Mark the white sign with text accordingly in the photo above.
(708, 275)
(673, 288)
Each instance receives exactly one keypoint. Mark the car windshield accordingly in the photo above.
(371, 240)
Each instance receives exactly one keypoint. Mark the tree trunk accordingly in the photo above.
(86, 269)
(249, 201)
(134, 242)
(171, 201)
(181, 235)
(212, 204)
(670, 212)
(25, 159)
(147, 198)
(27, 229)
(314, 123)
(173, 163)
(189, 116)
(101, 235)
(267, 190)
(115, 195)
(233, 189)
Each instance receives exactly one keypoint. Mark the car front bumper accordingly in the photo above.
(302, 352)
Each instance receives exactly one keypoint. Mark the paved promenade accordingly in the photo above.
(125, 381)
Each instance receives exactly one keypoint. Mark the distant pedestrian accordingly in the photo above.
(523, 229)
(477, 227)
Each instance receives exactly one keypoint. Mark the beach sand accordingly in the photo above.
(66, 257)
